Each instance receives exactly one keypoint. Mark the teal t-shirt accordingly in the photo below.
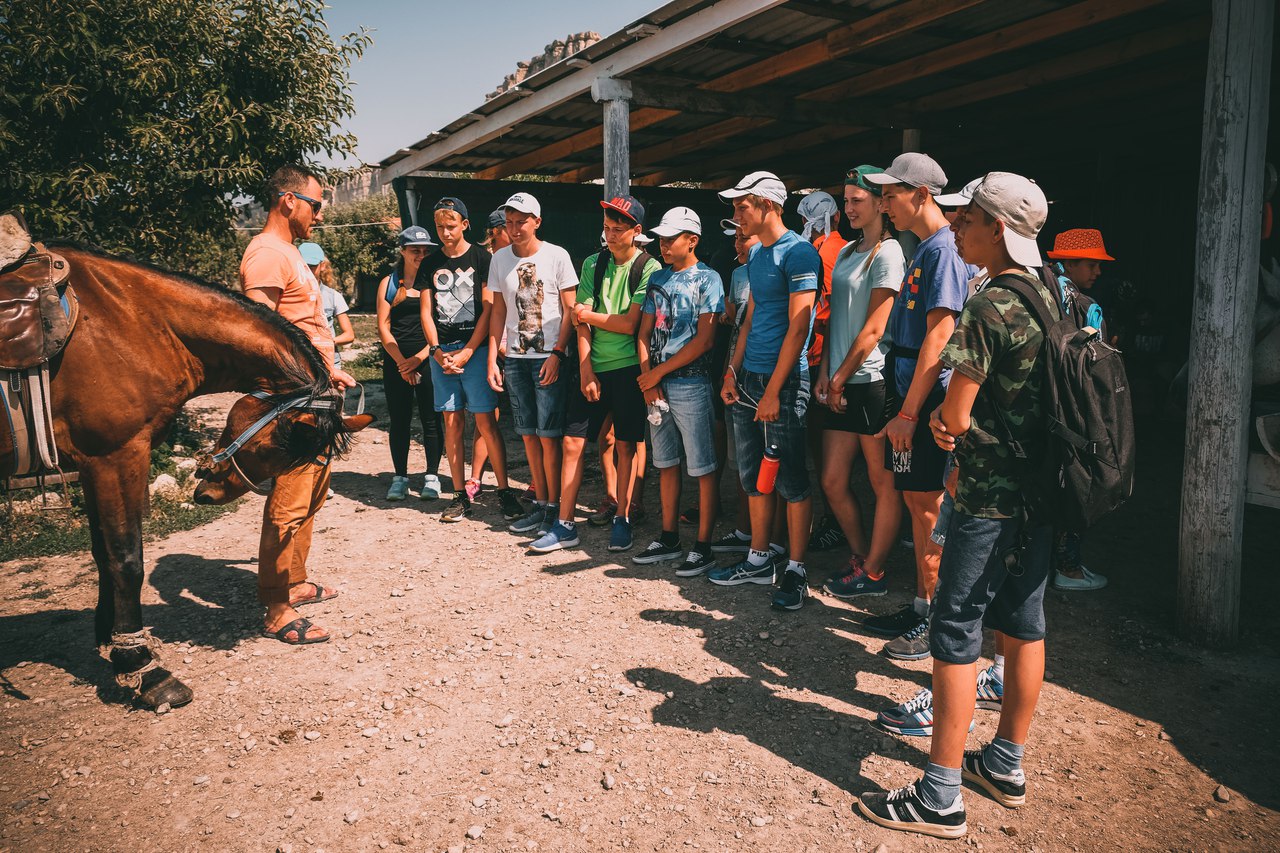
(612, 350)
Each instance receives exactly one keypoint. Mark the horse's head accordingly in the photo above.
(311, 429)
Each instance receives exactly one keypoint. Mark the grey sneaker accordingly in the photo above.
(430, 490)
(399, 488)
(913, 645)
(530, 521)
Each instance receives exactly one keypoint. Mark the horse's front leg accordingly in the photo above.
(116, 499)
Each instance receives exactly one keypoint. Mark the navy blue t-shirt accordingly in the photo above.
(935, 278)
(791, 265)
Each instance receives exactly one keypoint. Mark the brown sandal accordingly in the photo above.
(301, 625)
(320, 593)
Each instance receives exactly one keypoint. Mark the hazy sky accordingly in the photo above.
(432, 60)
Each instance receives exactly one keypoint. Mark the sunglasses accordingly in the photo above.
(316, 204)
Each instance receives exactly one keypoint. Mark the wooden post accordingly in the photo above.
(616, 97)
(1226, 291)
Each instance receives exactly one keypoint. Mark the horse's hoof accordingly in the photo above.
(159, 687)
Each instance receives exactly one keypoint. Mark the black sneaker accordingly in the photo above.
(695, 564)
(826, 538)
(792, 592)
(510, 503)
(913, 645)
(657, 552)
(904, 811)
(894, 624)
(1009, 791)
(458, 510)
(730, 544)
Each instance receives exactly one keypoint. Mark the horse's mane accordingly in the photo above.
(301, 362)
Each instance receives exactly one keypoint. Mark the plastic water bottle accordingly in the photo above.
(768, 470)
(656, 410)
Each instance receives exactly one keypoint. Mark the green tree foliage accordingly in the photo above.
(137, 124)
(360, 251)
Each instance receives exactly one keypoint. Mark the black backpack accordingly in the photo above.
(638, 263)
(1088, 467)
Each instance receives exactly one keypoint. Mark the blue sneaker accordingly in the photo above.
(742, 572)
(792, 592)
(554, 539)
(620, 535)
(913, 718)
(550, 517)
(856, 583)
(399, 488)
(529, 521)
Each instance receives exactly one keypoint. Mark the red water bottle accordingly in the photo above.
(768, 470)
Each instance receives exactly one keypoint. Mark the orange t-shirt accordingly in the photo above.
(828, 247)
(271, 262)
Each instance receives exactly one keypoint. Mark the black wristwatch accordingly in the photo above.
(559, 353)
(432, 350)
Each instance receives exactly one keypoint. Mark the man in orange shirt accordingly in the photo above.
(273, 273)
(821, 215)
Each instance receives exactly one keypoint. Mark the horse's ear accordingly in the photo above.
(355, 423)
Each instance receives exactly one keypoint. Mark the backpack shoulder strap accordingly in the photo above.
(602, 262)
(1046, 314)
(637, 272)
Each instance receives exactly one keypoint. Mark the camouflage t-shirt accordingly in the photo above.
(997, 343)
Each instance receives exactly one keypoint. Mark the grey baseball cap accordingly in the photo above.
(1021, 205)
(762, 184)
(914, 170)
(961, 198)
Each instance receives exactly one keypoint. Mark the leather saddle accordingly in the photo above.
(38, 309)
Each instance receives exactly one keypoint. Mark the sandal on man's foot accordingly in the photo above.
(319, 593)
(299, 627)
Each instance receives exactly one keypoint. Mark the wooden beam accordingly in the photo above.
(667, 40)
(704, 136)
(814, 138)
(1220, 367)
(1028, 32)
(886, 24)
(699, 102)
(823, 10)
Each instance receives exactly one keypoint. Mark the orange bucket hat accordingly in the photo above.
(1079, 243)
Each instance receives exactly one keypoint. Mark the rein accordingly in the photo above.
(300, 401)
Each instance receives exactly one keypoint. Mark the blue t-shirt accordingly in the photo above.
(676, 300)
(791, 265)
(935, 278)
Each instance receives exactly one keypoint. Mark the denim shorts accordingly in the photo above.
(690, 424)
(976, 587)
(466, 390)
(787, 433)
(537, 409)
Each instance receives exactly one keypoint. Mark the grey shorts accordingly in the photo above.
(976, 588)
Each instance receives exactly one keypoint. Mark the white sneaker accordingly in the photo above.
(1088, 582)
(430, 488)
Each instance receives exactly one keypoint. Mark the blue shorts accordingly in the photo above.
(787, 433)
(977, 586)
(537, 409)
(466, 390)
(689, 424)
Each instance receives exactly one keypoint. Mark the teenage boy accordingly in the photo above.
(923, 317)
(677, 334)
(535, 280)
(768, 386)
(995, 567)
(606, 313)
(456, 304)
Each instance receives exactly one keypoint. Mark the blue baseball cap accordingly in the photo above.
(498, 219)
(454, 204)
(312, 254)
(415, 235)
(628, 205)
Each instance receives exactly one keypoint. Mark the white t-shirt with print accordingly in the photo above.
(531, 288)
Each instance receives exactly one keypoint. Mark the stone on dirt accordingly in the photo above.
(1221, 794)
(475, 832)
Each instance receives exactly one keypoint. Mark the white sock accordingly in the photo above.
(998, 669)
(539, 503)
(758, 558)
(567, 525)
(777, 549)
(793, 566)
(921, 606)
(738, 534)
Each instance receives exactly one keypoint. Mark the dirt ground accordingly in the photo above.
(475, 698)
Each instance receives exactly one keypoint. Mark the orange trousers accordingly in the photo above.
(287, 521)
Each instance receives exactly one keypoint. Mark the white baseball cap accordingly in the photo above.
(763, 184)
(524, 203)
(961, 198)
(678, 220)
(730, 227)
(1021, 205)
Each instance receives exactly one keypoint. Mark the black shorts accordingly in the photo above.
(923, 468)
(867, 408)
(620, 396)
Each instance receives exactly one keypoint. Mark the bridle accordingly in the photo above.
(304, 400)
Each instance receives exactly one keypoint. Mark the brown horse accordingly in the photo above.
(147, 342)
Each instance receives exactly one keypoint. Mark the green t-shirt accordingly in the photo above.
(997, 344)
(612, 350)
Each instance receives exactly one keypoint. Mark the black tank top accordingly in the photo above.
(405, 319)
